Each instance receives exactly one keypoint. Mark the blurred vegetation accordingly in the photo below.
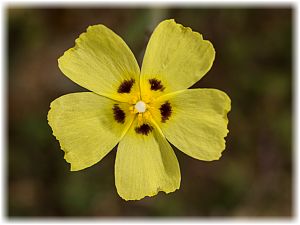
(253, 65)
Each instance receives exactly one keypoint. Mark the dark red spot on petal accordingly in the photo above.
(156, 85)
(144, 129)
(165, 111)
(125, 86)
(119, 114)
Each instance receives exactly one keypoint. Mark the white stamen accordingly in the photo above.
(140, 106)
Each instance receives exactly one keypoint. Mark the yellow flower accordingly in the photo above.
(140, 110)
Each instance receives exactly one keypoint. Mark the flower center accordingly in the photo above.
(140, 106)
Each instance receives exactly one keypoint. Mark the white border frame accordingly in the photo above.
(207, 3)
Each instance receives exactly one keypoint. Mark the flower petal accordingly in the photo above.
(145, 164)
(87, 126)
(101, 62)
(176, 57)
(195, 121)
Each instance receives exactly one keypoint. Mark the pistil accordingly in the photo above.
(140, 107)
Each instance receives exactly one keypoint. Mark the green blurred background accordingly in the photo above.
(253, 66)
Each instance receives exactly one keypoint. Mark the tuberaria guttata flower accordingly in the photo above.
(140, 110)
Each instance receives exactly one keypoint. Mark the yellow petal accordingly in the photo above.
(145, 165)
(86, 126)
(101, 62)
(196, 123)
(175, 56)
